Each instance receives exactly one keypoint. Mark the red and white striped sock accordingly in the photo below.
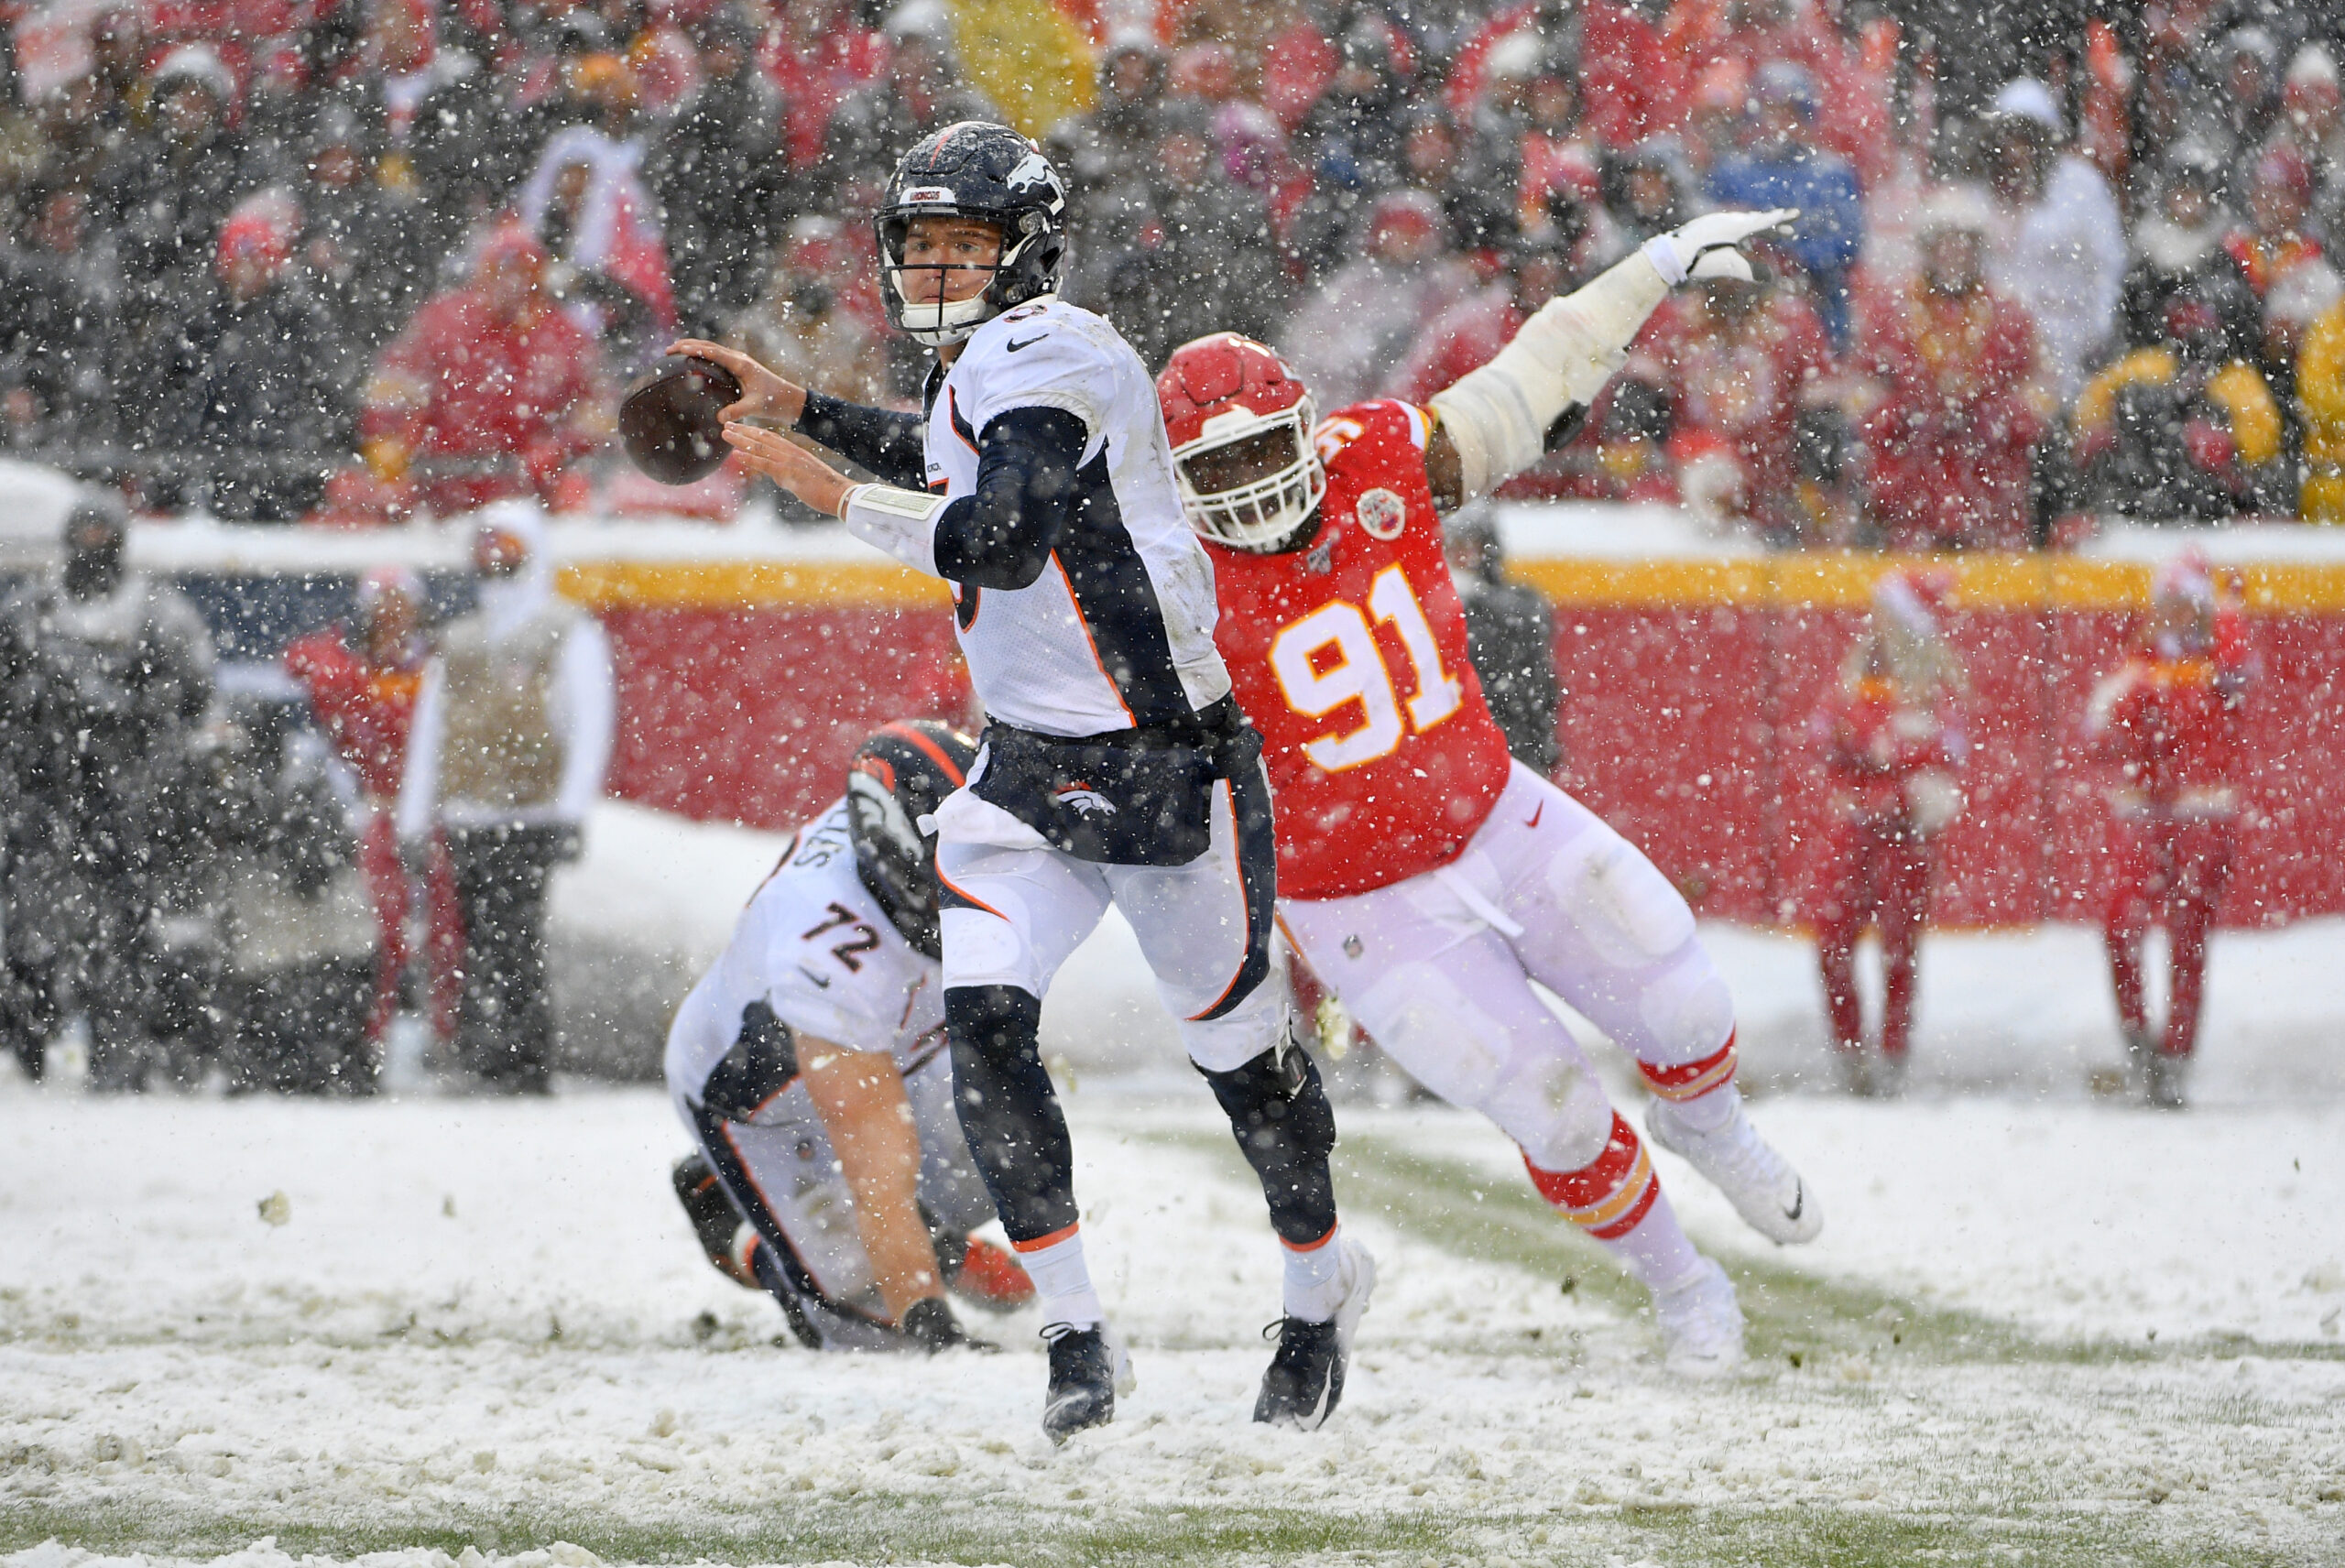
(1702, 1094)
(1617, 1199)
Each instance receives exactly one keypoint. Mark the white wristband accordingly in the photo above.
(1661, 251)
(902, 522)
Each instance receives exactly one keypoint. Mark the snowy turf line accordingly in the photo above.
(1792, 1312)
(1492, 1418)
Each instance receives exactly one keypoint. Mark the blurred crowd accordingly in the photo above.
(256, 868)
(347, 260)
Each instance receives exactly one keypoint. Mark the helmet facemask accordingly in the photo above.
(1251, 481)
(936, 323)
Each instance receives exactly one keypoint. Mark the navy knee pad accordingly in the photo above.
(1279, 1111)
(1010, 1112)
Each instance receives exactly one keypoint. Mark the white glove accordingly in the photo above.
(1705, 247)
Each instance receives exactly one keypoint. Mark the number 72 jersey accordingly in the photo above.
(1349, 656)
(814, 946)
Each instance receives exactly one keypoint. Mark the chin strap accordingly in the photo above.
(1499, 416)
(902, 522)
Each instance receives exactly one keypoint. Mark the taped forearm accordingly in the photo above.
(879, 440)
(1499, 416)
(901, 522)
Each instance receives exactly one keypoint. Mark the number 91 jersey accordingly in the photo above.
(1349, 656)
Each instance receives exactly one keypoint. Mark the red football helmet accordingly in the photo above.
(1221, 390)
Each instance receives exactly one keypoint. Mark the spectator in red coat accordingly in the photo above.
(1635, 85)
(491, 391)
(1955, 405)
(2169, 719)
(1742, 365)
(1893, 744)
(363, 677)
(817, 56)
(1853, 96)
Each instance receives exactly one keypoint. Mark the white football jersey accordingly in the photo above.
(1118, 631)
(813, 945)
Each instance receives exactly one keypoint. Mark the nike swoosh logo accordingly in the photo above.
(824, 981)
(1536, 815)
(1013, 345)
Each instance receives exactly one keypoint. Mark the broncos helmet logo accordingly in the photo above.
(1035, 171)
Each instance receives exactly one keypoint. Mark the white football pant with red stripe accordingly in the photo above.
(1439, 970)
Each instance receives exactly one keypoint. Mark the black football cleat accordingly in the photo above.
(929, 1325)
(1087, 1371)
(716, 1225)
(1305, 1380)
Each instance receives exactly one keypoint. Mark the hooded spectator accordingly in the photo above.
(2275, 239)
(365, 243)
(1748, 372)
(1955, 408)
(1646, 191)
(2181, 427)
(2059, 246)
(1636, 84)
(2177, 243)
(715, 172)
(920, 92)
(168, 191)
(1116, 137)
(819, 52)
(490, 392)
(2315, 126)
(1347, 338)
(587, 203)
(512, 737)
(252, 390)
(1197, 255)
(59, 294)
(1784, 166)
(803, 328)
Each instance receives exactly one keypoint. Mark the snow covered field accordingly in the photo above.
(2035, 1331)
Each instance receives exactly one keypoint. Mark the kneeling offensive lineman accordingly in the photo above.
(810, 1065)
(1116, 766)
(1426, 876)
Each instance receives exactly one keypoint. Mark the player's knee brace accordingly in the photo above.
(1009, 1111)
(1555, 1109)
(1279, 1110)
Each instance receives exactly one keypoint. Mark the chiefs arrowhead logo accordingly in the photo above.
(1382, 512)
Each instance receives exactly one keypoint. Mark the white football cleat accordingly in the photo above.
(1761, 1184)
(1701, 1324)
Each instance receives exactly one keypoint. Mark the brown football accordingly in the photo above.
(668, 420)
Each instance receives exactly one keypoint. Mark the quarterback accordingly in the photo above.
(1115, 769)
(1426, 876)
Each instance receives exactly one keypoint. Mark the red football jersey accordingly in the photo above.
(1350, 657)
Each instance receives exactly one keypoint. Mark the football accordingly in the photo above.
(668, 420)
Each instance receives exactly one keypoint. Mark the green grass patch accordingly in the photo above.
(1465, 1210)
(877, 1528)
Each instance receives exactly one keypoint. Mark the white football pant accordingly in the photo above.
(1439, 970)
(1013, 909)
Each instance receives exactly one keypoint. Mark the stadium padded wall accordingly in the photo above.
(1688, 686)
